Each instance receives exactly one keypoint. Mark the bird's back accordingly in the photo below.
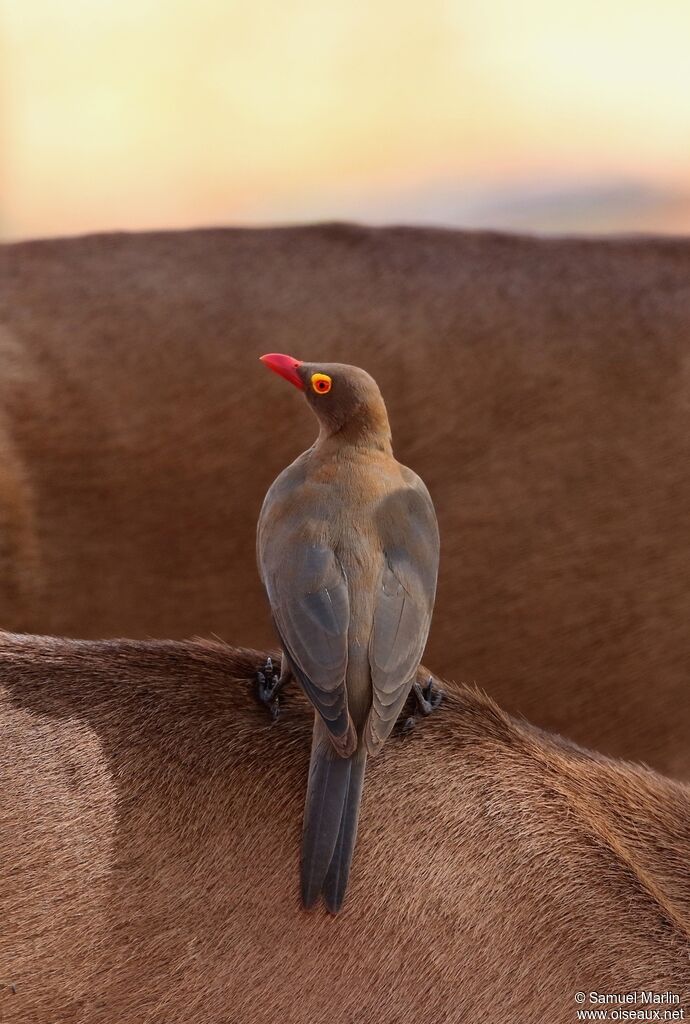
(337, 500)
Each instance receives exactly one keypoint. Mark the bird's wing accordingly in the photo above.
(404, 603)
(309, 599)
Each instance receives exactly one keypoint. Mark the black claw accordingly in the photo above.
(267, 686)
(433, 697)
(428, 699)
(425, 699)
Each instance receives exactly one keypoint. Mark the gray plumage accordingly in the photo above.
(347, 547)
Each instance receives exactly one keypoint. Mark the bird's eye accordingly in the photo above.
(321, 383)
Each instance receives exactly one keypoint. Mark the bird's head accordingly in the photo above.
(345, 399)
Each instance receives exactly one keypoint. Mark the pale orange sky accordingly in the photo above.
(165, 113)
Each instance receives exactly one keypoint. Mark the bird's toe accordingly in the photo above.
(267, 687)
(425, 699)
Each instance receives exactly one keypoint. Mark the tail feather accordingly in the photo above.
(339, 870)
(330, 820)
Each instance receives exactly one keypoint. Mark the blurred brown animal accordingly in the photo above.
(540, 387)
(149, 835)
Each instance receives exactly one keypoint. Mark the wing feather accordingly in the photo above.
(403, 605)
(309, 599)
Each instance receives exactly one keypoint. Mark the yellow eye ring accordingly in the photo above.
(321, 383)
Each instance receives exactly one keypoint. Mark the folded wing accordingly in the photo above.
(403, 606)
(311, 609)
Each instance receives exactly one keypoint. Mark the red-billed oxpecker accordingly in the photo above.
(348, 549)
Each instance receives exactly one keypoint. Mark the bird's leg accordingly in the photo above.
(426, 698)
(269, 683)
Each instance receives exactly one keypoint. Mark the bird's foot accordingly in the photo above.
(269, 682)
(427, 699)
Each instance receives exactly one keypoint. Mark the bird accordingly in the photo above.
(348, 553)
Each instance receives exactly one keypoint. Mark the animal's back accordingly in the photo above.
(157, 813)
(540, 388)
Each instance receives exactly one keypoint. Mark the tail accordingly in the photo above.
(334, 792)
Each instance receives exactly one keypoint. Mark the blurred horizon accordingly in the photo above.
(157, 114)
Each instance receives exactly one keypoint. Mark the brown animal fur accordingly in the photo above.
(539, 387)
(149, 840)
